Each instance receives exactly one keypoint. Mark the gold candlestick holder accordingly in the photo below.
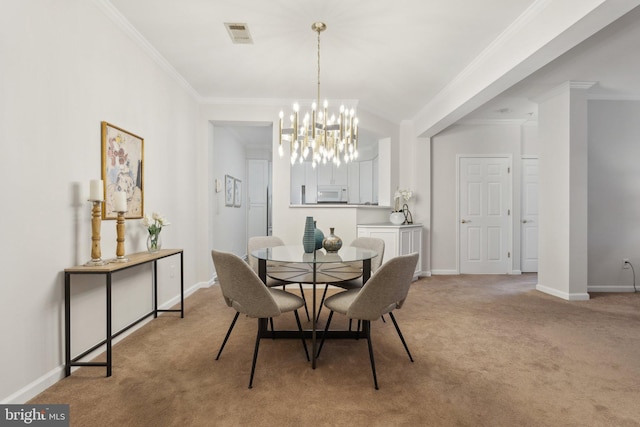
(96, 219)
(120, 239)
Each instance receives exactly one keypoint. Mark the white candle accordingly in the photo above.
(95, 190)
(120, 201)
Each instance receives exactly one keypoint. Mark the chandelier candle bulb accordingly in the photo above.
(95, 190)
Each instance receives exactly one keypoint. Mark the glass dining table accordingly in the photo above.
(292, 264)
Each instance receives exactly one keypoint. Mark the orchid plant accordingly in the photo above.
(401, 194)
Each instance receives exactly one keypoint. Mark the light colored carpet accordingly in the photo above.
(488, 350)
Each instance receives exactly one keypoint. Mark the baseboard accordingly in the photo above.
(444, 272)
(516, 272)
(563, 295)
(187, 293)
(34, 388)
(50, 378)
(612, 288)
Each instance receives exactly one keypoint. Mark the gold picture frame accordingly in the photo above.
(122, 170)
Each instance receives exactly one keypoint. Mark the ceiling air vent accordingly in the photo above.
(238, 32)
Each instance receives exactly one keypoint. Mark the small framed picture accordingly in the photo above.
(229, 190)
(237, 193)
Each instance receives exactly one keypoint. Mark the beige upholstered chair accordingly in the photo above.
(244, 291)
(258, 242)
(384, 292)
(371, 243)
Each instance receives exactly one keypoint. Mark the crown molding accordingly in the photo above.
(563, 88)
(116, 17)
(492, 122)
(613, 97)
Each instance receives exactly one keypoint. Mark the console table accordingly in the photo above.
(107, 270)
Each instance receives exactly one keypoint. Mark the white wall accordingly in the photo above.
(614, 194)
(228, 223)
(66, 67)
(471, 140)
(562, 242)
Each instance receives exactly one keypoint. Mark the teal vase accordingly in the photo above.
(309, 238)
(319, 236)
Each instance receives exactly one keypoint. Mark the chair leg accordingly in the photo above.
(400, 335)
(304, 343)
(326, 328)
(366, 324)
(255, 352)
(233, 322)
(272, 330)
(324, 294)
(305, 302)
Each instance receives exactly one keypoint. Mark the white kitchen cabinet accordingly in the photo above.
(353, 171)
(398, 240)
(330, 174)
(366, 181)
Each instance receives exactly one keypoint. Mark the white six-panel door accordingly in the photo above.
(529, 228)
(484, 215)
(257, 202)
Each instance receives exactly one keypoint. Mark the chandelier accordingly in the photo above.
(326, 138)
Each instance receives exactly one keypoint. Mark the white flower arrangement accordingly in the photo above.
(154, 224)
(401, 194)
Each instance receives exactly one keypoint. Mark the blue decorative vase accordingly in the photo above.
(309, 238)
(319, 236)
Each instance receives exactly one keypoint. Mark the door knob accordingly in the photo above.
(524, 221)
(464, 221)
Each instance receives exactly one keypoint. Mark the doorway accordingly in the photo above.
(484, 214)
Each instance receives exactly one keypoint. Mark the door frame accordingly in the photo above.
(521, 216)
(509, 158)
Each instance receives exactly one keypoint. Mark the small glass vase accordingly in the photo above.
(154, 243)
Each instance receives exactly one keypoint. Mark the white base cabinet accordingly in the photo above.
(398, 240)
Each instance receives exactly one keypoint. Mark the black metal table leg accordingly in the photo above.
(109, 337)
(262, 270)
(67, 322)
(181, 284)
(155, 289)
(366, 270)
(313, 333)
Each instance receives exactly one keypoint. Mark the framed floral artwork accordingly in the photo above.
(237, 193)
(229, 190)
(122, 170)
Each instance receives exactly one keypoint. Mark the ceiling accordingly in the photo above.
(389, 58)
